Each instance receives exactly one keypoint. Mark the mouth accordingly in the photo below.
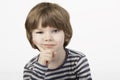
(48, 45)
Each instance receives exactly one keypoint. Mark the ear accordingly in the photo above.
(66, 39)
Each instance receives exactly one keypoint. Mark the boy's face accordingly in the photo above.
(48, 38)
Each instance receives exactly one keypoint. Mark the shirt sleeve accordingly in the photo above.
(82, 69)
(34, 71)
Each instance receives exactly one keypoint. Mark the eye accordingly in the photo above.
(55, 30)
(39, 32)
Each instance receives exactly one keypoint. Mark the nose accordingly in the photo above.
(48, 37)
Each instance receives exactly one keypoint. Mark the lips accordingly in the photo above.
(49, 45)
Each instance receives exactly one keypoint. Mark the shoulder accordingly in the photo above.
(76, 56)
(75, 53)
(31, 62)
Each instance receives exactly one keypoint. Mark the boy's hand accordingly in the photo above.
(46, 56)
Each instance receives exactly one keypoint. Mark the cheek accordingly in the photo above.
(36, 40)
(60, 39)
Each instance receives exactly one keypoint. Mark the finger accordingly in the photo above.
(48, 60)
(45, 59)
(52, 53)
(47, 63)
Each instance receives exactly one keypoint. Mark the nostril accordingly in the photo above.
(48, 39)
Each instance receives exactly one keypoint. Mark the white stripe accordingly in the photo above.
(40, 67)
(58, 75)
(57, 71)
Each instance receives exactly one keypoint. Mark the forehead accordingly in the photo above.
(45, 28)
(44, 23)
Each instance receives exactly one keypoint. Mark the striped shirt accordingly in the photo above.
(75, 67)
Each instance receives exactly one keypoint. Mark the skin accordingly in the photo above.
(49, 41)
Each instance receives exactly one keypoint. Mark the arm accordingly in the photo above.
(83, 70)
(36, 68)
(34, 71)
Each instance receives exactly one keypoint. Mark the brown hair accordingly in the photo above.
(52, 15)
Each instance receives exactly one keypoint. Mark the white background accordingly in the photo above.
(96, 26)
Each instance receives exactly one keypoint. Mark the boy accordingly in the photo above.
(49, 30)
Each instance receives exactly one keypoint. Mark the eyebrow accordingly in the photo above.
(38, 29)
